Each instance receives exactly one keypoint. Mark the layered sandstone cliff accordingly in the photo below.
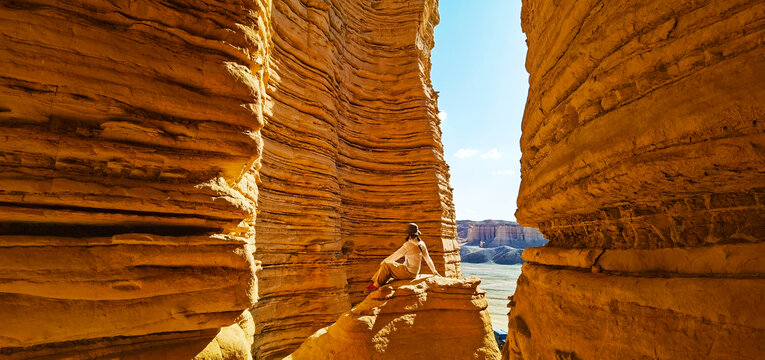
(352, 153)
(499, 233)
(643, 164)
(131, 160)
(130, 147)
(427, 318)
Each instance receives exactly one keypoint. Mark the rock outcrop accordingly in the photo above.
(643, 165)
(427, 318)
(352, 153)
(233, 342)
(462, 229)
(499, 233)
(648, 134)
(138, 140)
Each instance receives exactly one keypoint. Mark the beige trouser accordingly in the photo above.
(391, 270)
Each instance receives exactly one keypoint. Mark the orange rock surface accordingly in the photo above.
(643, 165)
(129, 140)
(352, 152)
(643, 126)
(426, 318)
(139, 139)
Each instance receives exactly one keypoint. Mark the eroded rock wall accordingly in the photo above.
(129, 148)
(131, 161)
(643, 165)
(352, 153)
(643, 126)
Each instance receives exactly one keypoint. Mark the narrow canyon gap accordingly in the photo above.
(141, 138)
(643, 159)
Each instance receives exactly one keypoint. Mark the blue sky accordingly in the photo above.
(478, 70)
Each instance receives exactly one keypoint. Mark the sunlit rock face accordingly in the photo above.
(352, 153)
(642, 164)
(643, 127)
(129, 148)
(427, 318)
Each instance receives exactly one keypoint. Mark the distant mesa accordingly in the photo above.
(497, 241)
(496, 233)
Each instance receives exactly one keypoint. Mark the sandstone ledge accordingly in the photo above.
(426, 318)
(728, 260)
(124, 285)
(574, 314)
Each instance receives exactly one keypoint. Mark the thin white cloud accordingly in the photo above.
(491, 154)
(465, 153)
(503, 172)
(442, 115)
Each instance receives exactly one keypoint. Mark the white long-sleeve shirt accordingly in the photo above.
(413, 252)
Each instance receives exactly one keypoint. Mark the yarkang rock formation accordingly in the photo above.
(129, 130)
(146, 147)
(428, 318)
(352, 152)
(643, 165)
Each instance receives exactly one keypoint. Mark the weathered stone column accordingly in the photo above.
(352, 152)
(643, 158)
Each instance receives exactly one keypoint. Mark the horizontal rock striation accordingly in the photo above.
(352, 153)
(129, 148)
(138, 140)
(643, 126)
(682, 303)
(427, 318)
(643, 165)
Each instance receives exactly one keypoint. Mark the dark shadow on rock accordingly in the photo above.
(176, 345)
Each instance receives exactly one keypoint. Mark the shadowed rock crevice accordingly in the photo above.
(53, 229)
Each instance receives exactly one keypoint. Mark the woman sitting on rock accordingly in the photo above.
(413, 251)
